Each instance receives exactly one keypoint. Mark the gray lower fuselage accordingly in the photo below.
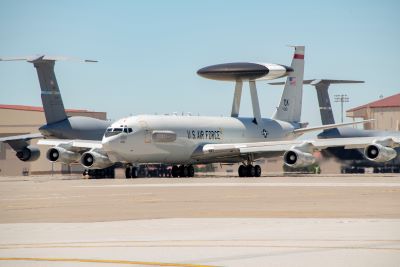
(138, 144)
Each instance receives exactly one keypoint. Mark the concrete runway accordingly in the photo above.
(270, 221)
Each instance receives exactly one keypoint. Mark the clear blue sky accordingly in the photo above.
(149, 51)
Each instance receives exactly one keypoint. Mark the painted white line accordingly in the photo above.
(294, 184)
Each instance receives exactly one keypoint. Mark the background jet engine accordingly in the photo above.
(95, 160)
(379, 153)
(295, 158)
(28, 153)
(60, 154)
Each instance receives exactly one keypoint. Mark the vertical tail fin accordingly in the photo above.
(51, 98)
(324, 102)
(322, 86)
(289, 108)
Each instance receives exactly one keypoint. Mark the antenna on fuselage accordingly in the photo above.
(245, 72)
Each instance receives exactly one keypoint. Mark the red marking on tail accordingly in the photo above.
(298, 56)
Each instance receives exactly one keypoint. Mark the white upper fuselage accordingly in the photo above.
(174, 139)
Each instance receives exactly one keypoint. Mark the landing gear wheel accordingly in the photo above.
(128, 172)
(258, 170)
(135, 172)
(251, 171)
(183, 171)
(175, 171)
(242, 171)
(190, 171)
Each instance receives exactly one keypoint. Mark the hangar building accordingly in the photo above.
(385, 111)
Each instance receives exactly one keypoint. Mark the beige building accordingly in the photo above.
(386, 113)
(17, 120)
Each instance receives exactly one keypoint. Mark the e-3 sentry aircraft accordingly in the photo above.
(186, 140)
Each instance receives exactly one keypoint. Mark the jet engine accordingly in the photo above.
(28, 153)
(379, 153)
(95, 160)
(60, 154)
(295, 158)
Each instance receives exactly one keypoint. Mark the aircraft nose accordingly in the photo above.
(108, 143)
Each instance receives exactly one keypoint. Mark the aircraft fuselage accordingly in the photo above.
(175, 139)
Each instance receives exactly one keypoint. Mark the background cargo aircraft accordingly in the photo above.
(188, 140)
(340, 153)
(348, 157)
(58, 125)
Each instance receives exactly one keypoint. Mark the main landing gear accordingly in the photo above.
(131, 172)
(100, 173)
(249, 170)
(182, 171)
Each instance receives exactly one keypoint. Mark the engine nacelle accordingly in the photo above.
(379, 153)
(28, 154)
(295, 158)
(95, 160)
(62, 155)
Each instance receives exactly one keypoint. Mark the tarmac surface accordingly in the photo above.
(350, 220)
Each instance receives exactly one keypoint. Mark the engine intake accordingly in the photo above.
(28, 154)
(295, 158)
(379, 153)
(60, 154)
(95, 160)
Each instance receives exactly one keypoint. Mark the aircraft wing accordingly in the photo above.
(18, 142)
(310, 145)
(329, 126)
(72, 143)
(23, 137)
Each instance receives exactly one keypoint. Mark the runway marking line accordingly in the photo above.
(259, 184)
(107, 261)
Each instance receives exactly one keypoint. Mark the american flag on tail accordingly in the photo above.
(292, 80)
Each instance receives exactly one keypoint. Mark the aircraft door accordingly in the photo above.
(147, 136)
(147, 131)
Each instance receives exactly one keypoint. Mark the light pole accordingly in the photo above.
(341, 98)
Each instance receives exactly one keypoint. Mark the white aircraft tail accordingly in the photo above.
(289, 108)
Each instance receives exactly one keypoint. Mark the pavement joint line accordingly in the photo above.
(126, 262)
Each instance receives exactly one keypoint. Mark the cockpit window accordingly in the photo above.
(115, 131)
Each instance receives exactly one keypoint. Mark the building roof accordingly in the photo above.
(32, 108)
(391, 101)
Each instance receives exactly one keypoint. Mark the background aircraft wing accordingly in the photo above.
(18, 142)
(22, 137)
